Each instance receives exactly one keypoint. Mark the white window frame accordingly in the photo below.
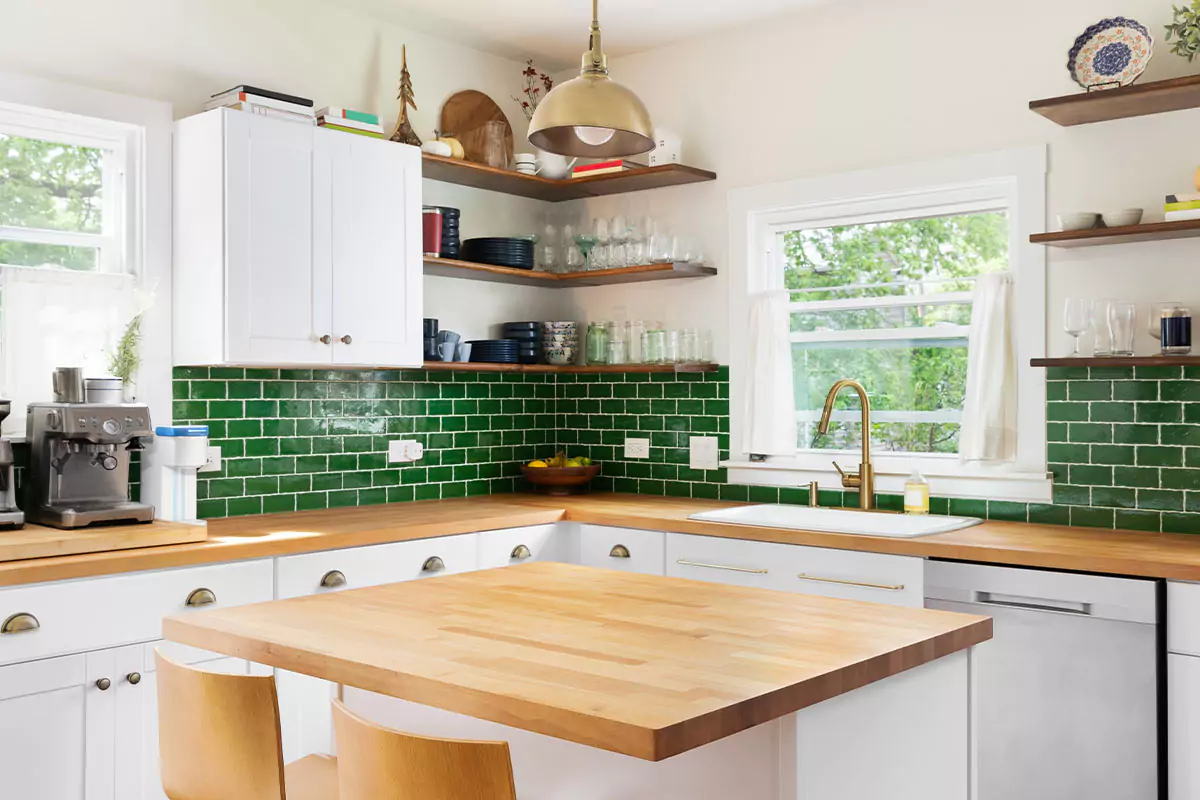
(1014, 180)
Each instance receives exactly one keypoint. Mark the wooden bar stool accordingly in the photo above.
(376, 763)
(219, 739)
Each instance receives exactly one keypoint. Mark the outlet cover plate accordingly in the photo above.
(703, 452)
(212, 461)
(637, 448)
(404, 451)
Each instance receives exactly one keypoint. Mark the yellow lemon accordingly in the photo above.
(538, 463)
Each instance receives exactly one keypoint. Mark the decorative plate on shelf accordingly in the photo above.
(1111, 53)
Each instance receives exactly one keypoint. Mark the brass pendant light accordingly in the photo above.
(592, 116)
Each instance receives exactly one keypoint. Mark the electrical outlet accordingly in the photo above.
(212, 460)
(703, 452)
(637, 448)
(403, 451)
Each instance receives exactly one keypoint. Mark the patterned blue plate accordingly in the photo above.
(1111, 53)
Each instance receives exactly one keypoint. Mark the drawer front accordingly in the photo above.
(1183, 726)
(76, 616)
(357, 567)
(1183, 617)
(845, 574)
(625, 549)
(511, 546)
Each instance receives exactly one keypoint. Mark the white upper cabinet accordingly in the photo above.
(294, 245)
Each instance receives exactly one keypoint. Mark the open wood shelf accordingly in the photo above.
(450, 268)
(479, 366)
(481, 176)
(1138, 100)
(1117, 361)
(1146, 232)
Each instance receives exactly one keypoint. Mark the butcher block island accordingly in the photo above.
(616, 685)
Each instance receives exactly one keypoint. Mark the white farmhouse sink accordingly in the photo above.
(833, 520)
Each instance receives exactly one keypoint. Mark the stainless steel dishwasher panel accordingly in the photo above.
(1067, 692)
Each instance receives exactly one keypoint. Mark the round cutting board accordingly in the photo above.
(463, 116)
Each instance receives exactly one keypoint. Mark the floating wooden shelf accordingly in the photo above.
(449, 268)
(475, 366)
(1147, 232)
(1138, 100)
(1118, 361)
(481, 176)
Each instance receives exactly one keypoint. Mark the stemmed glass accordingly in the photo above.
(1077, 319)
(573, 259)
(587, 246)
(601, 235)
(617, 255)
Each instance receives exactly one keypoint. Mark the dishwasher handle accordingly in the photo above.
(1025, 603)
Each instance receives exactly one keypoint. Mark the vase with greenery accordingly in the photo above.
(1184, 30)
(124, 360)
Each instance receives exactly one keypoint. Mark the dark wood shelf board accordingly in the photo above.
(481, 176)
(1146, 232)
(478, 366)
(450, 268)
(1138, 100)
(1117, 361)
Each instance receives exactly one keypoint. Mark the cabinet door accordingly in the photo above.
(625, 549)
(57, 728)
(375, 237)
(505, 548)
(1183, 726)
(277, 282)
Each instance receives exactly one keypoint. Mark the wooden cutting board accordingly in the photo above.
(463, 117)
(36, 541)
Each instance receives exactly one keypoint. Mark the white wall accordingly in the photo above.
(857, 84)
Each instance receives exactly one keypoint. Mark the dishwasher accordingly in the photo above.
(1069, 693)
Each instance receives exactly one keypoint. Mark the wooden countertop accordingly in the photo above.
(642, 665)
(1155, 555)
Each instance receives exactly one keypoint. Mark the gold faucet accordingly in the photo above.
(864, 479)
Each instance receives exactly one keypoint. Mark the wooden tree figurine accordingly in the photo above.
(403, 132)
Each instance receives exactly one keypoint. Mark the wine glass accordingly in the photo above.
(601, 235)
(617, 256)
(587, 246)
(1077, 319)
(573, 260)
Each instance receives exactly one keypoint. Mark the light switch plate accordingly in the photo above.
(637, 448)
(404, 451)
(703, 452)
(212, 462)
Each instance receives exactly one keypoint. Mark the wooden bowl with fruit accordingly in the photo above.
(561, 475)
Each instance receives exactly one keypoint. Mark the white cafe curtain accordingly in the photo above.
(989, 420)
(770, 395)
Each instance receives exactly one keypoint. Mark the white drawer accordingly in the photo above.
(1183, 618)
(503, 548)
(297, 576)
(625, 549)
(94, 613)
(845, 574)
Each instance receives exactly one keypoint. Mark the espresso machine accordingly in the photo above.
(79, 457)
(10, 516)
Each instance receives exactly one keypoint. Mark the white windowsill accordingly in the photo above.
(947, 476)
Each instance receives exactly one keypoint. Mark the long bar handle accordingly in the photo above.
(750, 570)
(891, 587)
(1025, 603)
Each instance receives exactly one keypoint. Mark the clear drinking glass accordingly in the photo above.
(602, 234)
(689, 345)
(1122, 321)
(653, 344)
(548, 248)
(662, 247)
(1103, 344)
(1077, 319)
(704, 349)
(670, 352)
(618, 238)
(634, 329)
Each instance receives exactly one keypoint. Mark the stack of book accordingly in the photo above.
(1182, 206)
(604, 167)
(263, 101)
(343, 119)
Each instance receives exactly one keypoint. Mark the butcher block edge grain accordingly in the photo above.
(38, 541)
(1150, 555)
(658, 666)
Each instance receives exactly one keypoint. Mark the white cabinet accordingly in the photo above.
(511, 546)
(1183, 690)
(625, 549)
(294, 245)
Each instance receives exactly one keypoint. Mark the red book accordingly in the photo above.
(601, 167)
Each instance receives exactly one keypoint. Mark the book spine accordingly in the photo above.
(348, 114)
(600, 165)
(280, 105)
(605, 171)
(1186, 205)
(344, 129)
(274, 113)
(1181, 216)
(349, 123)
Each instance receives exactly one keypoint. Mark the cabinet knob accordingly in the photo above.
(134, 677)
(326, 339)
(520, 551)
(347, 339)
(201, 597)
(433, 564)
(103, 684)
(619, 551)
(333, 579)
(20, 623)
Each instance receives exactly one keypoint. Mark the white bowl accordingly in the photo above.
(1123, 218)
(1078, 221)
(560, 356)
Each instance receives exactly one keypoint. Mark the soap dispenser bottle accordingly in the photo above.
(916, 493)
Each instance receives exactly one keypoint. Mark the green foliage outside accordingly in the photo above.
(904, 258)
(49, 186)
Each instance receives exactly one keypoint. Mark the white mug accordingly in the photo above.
(527, 163)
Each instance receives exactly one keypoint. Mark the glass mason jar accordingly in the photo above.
(597, 343)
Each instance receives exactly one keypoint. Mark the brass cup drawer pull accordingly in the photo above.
(750, 570)
(619, 551)
(201, 597)
(20, 623)
(333, 579)
(433, 564)
(891, 587)
(521, 552)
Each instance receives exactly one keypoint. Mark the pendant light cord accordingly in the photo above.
(594, 61)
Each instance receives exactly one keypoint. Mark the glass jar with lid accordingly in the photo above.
(597, 343)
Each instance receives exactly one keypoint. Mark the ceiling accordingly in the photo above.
(554, 32)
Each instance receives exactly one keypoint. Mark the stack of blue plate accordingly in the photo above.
(499, 251)
(495, 351)
(529, 340)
